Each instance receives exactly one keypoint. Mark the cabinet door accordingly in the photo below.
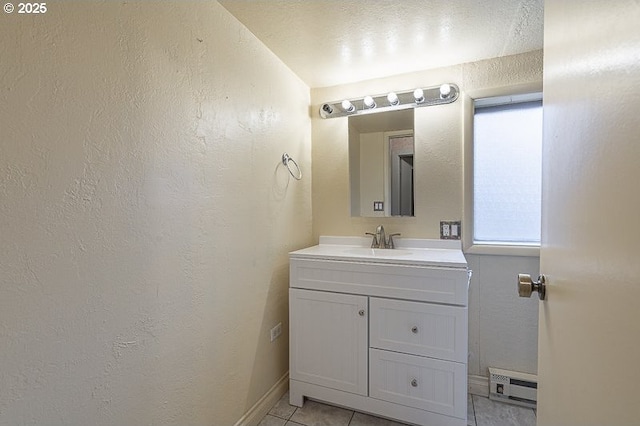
(328, 333)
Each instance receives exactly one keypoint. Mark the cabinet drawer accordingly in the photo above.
(419, 328)
(419, 382)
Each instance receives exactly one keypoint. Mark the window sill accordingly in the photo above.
(504, 250)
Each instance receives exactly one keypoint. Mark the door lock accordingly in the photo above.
(526, 286)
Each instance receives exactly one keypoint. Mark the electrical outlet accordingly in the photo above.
(276, 331)
(450, 230)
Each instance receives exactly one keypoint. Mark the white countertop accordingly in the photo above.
(408, 251)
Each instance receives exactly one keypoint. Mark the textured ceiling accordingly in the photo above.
(329, 42)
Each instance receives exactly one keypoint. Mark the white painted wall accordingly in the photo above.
(145, 215)
(499, 322)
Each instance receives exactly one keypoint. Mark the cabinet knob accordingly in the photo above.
(361, 312)
(414, 329)
(414, 383)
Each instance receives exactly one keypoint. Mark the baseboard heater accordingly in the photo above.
(513, 387)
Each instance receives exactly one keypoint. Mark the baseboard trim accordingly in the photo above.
(478, 385)
(264, 404)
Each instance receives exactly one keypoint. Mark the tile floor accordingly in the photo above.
(481, 412)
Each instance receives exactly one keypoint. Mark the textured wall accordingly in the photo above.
(144, 215)
(439, 180)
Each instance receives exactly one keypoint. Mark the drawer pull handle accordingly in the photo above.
(414, 329)
(414, 383)
(361, 312)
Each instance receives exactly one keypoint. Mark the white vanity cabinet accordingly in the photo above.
(384, 333)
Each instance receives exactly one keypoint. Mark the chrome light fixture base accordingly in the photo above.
(437, 95)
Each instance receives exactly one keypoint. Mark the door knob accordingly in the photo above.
(526, 286)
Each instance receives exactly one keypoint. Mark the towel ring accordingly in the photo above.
(286, 160)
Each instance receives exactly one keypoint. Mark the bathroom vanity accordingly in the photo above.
(382, 331)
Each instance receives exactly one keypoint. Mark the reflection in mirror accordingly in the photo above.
(381, 162)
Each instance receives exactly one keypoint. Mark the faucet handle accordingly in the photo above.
(375, 243)
(391, 245)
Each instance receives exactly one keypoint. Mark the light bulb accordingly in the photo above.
(418, 95)
(348, 106)
(445, 91)
(369, 102)
(393, 98)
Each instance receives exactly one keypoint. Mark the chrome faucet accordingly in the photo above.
(380, 239)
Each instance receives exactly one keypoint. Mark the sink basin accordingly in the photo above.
(374, 252)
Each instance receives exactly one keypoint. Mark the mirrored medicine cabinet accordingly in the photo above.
(381, 163)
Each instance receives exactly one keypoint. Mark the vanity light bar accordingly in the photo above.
(437, 95)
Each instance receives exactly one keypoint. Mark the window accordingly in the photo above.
(507, 175)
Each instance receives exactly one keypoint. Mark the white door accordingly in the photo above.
(328, 339)
(589, 326)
